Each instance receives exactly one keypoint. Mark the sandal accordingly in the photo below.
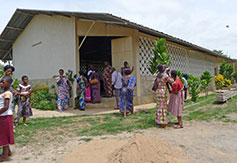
(4, 159)
(178, 126)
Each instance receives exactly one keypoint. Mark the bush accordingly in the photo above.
(43, 100)
(226, 70)
(220, 82)
(205, 81)
(180, 74)
(193, 83)
(235, 76)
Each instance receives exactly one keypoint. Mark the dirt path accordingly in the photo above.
(92, 111)
(197, 142)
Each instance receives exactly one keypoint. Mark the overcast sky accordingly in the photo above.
(202, 22)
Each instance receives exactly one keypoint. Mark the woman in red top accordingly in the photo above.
(176, 102)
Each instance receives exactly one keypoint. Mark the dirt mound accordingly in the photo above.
(142, 149)
(138, 149)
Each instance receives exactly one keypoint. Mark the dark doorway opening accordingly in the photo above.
(95, 50)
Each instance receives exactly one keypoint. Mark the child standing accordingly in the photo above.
(24, 107)
(6, 123)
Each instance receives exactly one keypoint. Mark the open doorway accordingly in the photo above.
(95, 50)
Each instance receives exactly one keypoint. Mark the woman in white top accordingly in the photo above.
(6, 123)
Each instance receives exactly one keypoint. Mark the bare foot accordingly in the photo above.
(178, 126)
(25, 124)
(3, 159)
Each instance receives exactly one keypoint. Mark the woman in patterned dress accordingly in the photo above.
(81, 82)
(176, 102)
(95, 87)
(64, 88)
(24, 107)
(160, 88)
(126, 101)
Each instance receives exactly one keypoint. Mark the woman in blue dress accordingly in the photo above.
(128, 85)
(81, 82)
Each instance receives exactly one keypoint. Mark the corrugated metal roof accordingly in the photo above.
(22, 17)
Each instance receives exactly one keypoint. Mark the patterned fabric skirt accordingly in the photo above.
(82, 99)
(6, 130)
(126, 100)
(161, 107)
(176, 104)
(108, 88)
(63, 100)
(96, 93)
(24, 108)
(88, 94)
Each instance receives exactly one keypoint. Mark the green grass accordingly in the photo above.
(46, 130)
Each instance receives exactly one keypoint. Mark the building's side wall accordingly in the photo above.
(183, 59)
(46, 45)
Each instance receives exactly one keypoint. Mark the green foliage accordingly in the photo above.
(235, 76)
(15, 81)
(42, 99)
(206, 79)
(160, 56)
(219, 81)
(70, 76)
(226, 70)
(221, 53)
(227, 83)
(180, 74)
(193, 83)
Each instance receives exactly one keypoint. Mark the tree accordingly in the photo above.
(226, 70)
(206, 79)
(160, 56)
(221, 53)
(193, 85)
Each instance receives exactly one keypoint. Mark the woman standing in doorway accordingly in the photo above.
(95, 87)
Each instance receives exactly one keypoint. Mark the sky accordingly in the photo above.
(201, 22)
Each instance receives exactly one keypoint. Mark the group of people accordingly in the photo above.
(9, 97)
(89, 85)
(161, 87)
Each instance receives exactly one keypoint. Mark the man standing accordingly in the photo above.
(125, 68)
(117, 83)
(107, 78)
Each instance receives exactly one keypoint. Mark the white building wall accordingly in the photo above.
(46, 45)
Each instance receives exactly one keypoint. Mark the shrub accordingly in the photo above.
(205, 81)
(180, 74)
(43, 100)
(193, 83)
(226, 70)
(219, 81)
(227, 83)
(235, 76)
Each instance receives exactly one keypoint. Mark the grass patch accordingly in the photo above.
(86, 139)
(47, 130)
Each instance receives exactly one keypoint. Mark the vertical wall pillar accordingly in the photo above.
(136, 59)
(76, 63)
